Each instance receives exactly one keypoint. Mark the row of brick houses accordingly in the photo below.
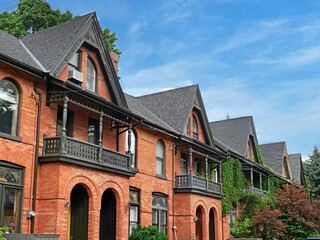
(84, 160)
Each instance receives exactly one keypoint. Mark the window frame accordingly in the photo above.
(183, 160)
(90, 60)
(135, 204)
(14, 136)
(72, 66)
(160, 210)
(16, 186)
(132, 147)
(94, 122)
(163, 172)
(195, 128)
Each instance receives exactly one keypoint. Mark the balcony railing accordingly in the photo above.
(85, 152)
(254, 190)
(187, 182)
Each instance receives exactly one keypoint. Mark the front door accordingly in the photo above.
(211, 225)
(79, 213)
(108, 216)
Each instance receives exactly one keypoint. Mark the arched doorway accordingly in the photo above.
(108, 216)
(79, 213)
(199, 223)
(212, 230)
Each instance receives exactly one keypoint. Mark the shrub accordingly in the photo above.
(242, 228)
(147, 233)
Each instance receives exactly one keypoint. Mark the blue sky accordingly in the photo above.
(250, 57)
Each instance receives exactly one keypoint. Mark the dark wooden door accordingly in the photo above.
(79, 213)
(108, 216)
(211, 225)
(199, 223)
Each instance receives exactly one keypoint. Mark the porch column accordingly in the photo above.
(100, 136)
(129, 144)
(251, 178)
(190, 163)
(219, 176)
(207, 182)
(64, 123)
(260, 182)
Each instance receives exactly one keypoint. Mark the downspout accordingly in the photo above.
(36, 155)
(174, 228)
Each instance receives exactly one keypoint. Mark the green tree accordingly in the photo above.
(312, 171)
(34, 15)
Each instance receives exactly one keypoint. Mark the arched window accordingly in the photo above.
(160, 158)
(195, 127)
(9, 107)
(91, 76)
(132, 147)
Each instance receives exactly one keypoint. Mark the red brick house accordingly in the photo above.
(81, 159)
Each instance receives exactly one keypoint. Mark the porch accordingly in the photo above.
(189, 183)
(67, 149)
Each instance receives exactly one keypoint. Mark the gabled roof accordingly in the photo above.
(54, 47)
(13, 48)
(175, 106)
(273, 154)
(235, 132)
(297, 168)
(137, 108)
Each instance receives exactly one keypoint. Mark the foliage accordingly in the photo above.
(242, 228)
(251, 204)
(34, 15)
(4, 229)
(267, 224)
(259, 155)
(300, 216)
(233, 182)
(312, 171)
(147, 233)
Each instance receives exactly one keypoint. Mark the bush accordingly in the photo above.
(147, 233)
(242, 228)
(3, 230)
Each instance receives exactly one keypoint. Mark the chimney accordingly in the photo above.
(115, 60)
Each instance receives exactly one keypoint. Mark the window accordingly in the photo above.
(74, 63)
(91, 76)
(10, 196)
(160, 158)
(93, 131)
(9, 107)
(134, 209)
(195, 127)
(183, 165)
(69, 124)
(160, 212)
(132, 147)
(250, 151)
(199, 168)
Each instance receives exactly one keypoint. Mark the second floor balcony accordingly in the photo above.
(189, 183)
(85, 154)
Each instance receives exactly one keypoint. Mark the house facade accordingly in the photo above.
(81, 159)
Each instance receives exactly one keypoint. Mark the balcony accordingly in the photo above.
(187, 183)
(254, 190)
(85, 154)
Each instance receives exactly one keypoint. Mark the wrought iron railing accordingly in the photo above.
(85, 151)
(197, 183)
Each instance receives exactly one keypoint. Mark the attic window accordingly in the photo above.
(250, 151)
(91, 76)
(195, 128)
(74, 63)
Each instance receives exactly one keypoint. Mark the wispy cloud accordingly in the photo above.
(297, 58)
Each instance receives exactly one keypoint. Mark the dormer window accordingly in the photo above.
(195, 127)
(91, 76)
(250, 151)
(74, 63)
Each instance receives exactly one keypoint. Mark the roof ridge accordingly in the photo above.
(32, 56)
(272, 143)
(59, 24)
(169, 90)
(230, 119)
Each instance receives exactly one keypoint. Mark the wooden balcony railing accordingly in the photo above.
(254, 190)
(85, 152)
(197, 183)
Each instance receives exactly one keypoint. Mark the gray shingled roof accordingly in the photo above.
(234, 132)
(50, 44)
(12, 47)
(296, 166)
(137, 108)
(273, 155)
(172, 106)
